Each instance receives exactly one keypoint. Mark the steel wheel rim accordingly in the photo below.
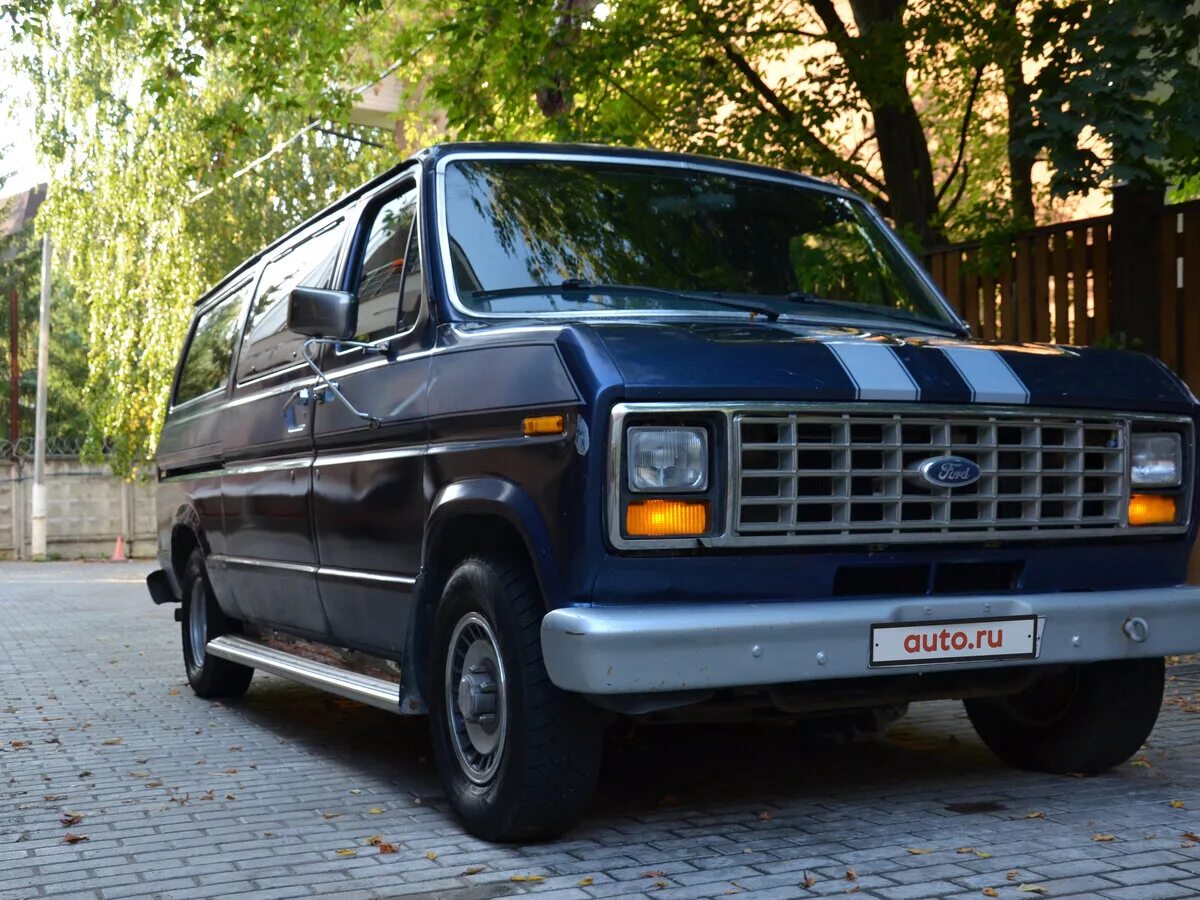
(476, 688)
(198, 623)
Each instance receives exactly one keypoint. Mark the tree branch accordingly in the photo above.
(958, 195)
(962, 137)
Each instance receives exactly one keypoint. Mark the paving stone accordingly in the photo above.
(85, 656)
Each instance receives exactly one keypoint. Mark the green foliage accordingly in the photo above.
(1116, 100)
(147, 112)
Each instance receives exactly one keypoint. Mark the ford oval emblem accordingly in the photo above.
(948, 471)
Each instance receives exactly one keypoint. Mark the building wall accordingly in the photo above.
(83, 510)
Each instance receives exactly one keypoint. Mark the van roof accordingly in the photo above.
(438, 151)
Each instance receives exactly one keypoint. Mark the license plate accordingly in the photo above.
(1014, 637)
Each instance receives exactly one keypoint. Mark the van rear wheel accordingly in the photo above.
(202, 620)
(518, 757)
(1086, 718)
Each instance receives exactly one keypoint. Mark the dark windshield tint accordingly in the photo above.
(515, 223)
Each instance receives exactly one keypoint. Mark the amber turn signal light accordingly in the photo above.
(1151, 509)
(536, 425)
(666, 518)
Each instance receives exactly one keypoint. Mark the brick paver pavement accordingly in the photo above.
(268, 795)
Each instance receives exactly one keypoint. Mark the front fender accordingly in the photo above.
(498, 497)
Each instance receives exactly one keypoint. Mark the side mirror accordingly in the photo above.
(322, 313)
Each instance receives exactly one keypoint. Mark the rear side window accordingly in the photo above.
(210, 351)
(385, 261)
(267, 343)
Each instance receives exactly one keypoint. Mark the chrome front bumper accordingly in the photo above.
(645, 649)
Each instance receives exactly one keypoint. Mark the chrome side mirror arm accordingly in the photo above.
(331, 387)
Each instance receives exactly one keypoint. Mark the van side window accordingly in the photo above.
(267, 343)
(384, 261)
(210, 351)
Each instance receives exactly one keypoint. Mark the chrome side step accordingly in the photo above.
(352, 685)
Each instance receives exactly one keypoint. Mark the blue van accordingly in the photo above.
(529, 437)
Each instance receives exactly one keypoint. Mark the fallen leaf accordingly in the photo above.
(112, 741)
(851, 875)
(852, 890)
(1186, 845)
(765, 816)
(919, 851)
(173, 692)
(654, 873)
(70, 818)
(1103, 838)
(50, 798)
(385, 847)
(230, 797)
(17, 745)
(473, 870)
(983, 854)
(139, 774)
(965, 850)
(1191, 836)
(329, 815)
(231, 771)
(1032, 889)
(154, 784)
(1013, 875)
(142, 760)
(991, 892)
(660, 884)
(347, 851)
(375, 811)
(71, 838)
(809, 880)
(1035, 815)
(1141, 763)
(355, 790)
(85, 773)
(585, 882)
(527, 878)
(235, 748)
(431, 854)
(1177, 804)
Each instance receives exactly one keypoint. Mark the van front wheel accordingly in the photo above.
(518, 757)
(1085, 718)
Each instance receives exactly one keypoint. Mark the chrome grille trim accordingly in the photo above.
(853, 474)
(725, 530)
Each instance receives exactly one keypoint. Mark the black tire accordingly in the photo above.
(547, 756)
(1086, 719)
(208, 675)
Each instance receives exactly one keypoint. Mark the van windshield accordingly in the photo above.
(538, 237)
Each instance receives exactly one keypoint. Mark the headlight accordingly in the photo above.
(667, 459)
(1157, 460)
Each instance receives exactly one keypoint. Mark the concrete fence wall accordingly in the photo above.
(83, 510)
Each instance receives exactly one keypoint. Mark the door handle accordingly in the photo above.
(291, 421)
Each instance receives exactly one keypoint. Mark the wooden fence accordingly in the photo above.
(1059, 284)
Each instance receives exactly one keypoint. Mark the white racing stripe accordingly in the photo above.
(876, 371)
(989, 377)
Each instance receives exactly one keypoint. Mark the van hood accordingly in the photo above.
(784, 361)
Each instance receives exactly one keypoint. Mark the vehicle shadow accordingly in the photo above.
(648, 767)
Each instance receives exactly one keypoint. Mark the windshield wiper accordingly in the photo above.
(581, 289)
(808, 298)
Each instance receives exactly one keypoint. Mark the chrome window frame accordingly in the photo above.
(715, 166)
(726, 535)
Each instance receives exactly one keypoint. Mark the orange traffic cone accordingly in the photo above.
(119, 550)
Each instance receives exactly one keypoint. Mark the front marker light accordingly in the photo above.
(667, 460)
(1151, 509)
(1156, 460)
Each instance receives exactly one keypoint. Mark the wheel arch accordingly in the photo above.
(466, 517)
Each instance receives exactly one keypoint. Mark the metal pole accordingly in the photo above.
(14, 385)
(38, 531)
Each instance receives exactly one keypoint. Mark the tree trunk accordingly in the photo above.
(878, 62)
(1010, 54)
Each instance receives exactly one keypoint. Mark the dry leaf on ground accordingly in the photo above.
(385, 847)
(71, 838)
(654, 873)
(1177, 804)
(431, 854)
(1141, 763)
(851, 875)
(472, 870)
(112, 741)
(375, 811)
(585, 882)
(70, 818)
(347, 851)
(990, 892)
(765, 816)
(527, 878)
(1032, 889)
(983, 854)
(809, 880)
(1013, 875)
(965, 850)
(919, 851)
(1037, 814)
(1103, 838)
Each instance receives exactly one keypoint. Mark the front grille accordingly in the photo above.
(852, 476)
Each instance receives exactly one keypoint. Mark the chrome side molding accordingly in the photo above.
(352, 685)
